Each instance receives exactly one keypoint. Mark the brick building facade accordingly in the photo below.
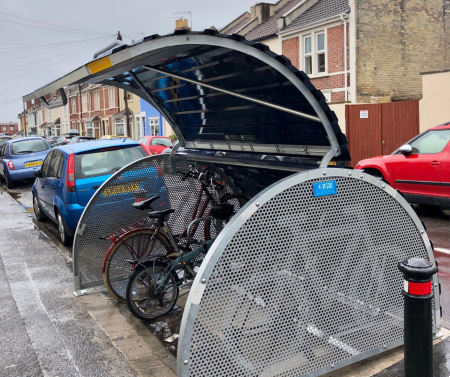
(10, 128)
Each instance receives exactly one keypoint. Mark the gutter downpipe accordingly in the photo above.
(345, 54)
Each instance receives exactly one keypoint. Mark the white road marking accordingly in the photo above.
(442, 250)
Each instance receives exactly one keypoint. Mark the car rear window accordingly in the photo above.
(106, 161)
(161, 141)
(3, 140)
(28, 146)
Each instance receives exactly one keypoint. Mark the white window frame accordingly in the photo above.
(319, 52)
(85, 103)
(97, 100)
(307, 55)
(153, 131)
(111, 97)
(74, 105)
(11, 128)
(314, 35)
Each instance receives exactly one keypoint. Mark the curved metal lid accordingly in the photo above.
(220, 92)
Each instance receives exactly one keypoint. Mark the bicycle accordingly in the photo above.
(153, 288)
(143, 238)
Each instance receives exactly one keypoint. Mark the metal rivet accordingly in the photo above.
(186, 362)
(257, 204)
(385, 346)
(203, 281)
(332, 365)
(361, 176)
(435, 284)
(335, 150)
(349, 173)
(383, 186)
(324, 173)
(422, 231)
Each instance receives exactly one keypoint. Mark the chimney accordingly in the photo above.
(261, 11)
(29, 104)
(182, 24)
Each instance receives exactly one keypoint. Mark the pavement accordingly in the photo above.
(46, 331)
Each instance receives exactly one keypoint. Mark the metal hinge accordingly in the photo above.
(80, 230)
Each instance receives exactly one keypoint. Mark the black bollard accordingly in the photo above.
(418, 292)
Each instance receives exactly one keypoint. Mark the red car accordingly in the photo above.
(419, 169)
(155, 144)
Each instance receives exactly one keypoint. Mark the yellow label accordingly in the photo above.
(100, 64)
(331, 163)
(122, 189)
(30, 210)
(35, 163)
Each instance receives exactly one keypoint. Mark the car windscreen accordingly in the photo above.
(161, 141)
(106, 160)
(28, 146)
(3, 141)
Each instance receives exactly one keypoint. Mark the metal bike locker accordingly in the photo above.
(303, 279)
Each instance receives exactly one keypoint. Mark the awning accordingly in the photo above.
(220, 92)
(54, 123)
(45, 124)
(121, 114)
(95, 118)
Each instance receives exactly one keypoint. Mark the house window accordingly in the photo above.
(111, 97)
(118, 127)
(85, 103)
(308, 55)
(11, 128)
(4, 128)
(65, 111)
(320, 49)
(154, 126)
(97, 101)
(74, 106)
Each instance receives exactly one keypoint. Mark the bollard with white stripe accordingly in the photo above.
(418, 293)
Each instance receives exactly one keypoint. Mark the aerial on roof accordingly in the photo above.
(220, 92)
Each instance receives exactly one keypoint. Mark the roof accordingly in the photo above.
(238, 20)
(57, 121)
(220, 92)
(44, 124)
(95, 118)
(122, 113)
(321, 10)
(89, 145)
(239, 25)
(269, 27)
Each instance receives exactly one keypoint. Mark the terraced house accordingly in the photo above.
(357, 52)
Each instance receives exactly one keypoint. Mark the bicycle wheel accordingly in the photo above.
(214, 227)
(117, 270)
(142, 299)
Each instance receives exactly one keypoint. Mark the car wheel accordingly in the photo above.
(9, 182)
(62, 230)
(40, 216)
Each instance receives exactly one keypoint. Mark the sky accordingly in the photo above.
(31, 57)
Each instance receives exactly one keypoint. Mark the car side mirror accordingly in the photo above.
(38, 174)
(406, 148)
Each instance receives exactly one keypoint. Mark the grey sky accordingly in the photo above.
(25, 68)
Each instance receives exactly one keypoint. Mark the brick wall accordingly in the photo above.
(396, 40)
(290, 48)
(335, 49)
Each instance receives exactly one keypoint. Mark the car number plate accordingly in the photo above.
(34, 163)
(121, 189)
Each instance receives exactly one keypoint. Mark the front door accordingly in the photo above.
(420, 172)
(53, 182)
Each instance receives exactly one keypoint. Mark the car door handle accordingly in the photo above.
(435, 163)
(53, 187)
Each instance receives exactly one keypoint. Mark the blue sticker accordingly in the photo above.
(324, 188)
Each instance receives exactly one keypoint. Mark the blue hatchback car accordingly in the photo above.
(20, 158)
(72, 173)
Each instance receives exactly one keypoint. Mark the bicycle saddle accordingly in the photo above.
(145, 204)
(160, 214)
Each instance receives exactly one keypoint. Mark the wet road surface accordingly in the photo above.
(167, 328)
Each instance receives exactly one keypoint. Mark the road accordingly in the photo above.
(436, 221)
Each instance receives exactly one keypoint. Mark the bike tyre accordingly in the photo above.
(117, 258)
(138, 272)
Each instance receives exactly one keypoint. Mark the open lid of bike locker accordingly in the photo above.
(220, 93)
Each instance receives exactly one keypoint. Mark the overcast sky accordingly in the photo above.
(28, 59)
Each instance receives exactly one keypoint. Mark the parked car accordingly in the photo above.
(72, 173)
(81, 139)
(155, 144)
(108, 137)
(52, 139)
(20, 158)
(65, 138)
(3, 139)
(419, 169)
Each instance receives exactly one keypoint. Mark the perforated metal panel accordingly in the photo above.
(300, 285)
(111, 209)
